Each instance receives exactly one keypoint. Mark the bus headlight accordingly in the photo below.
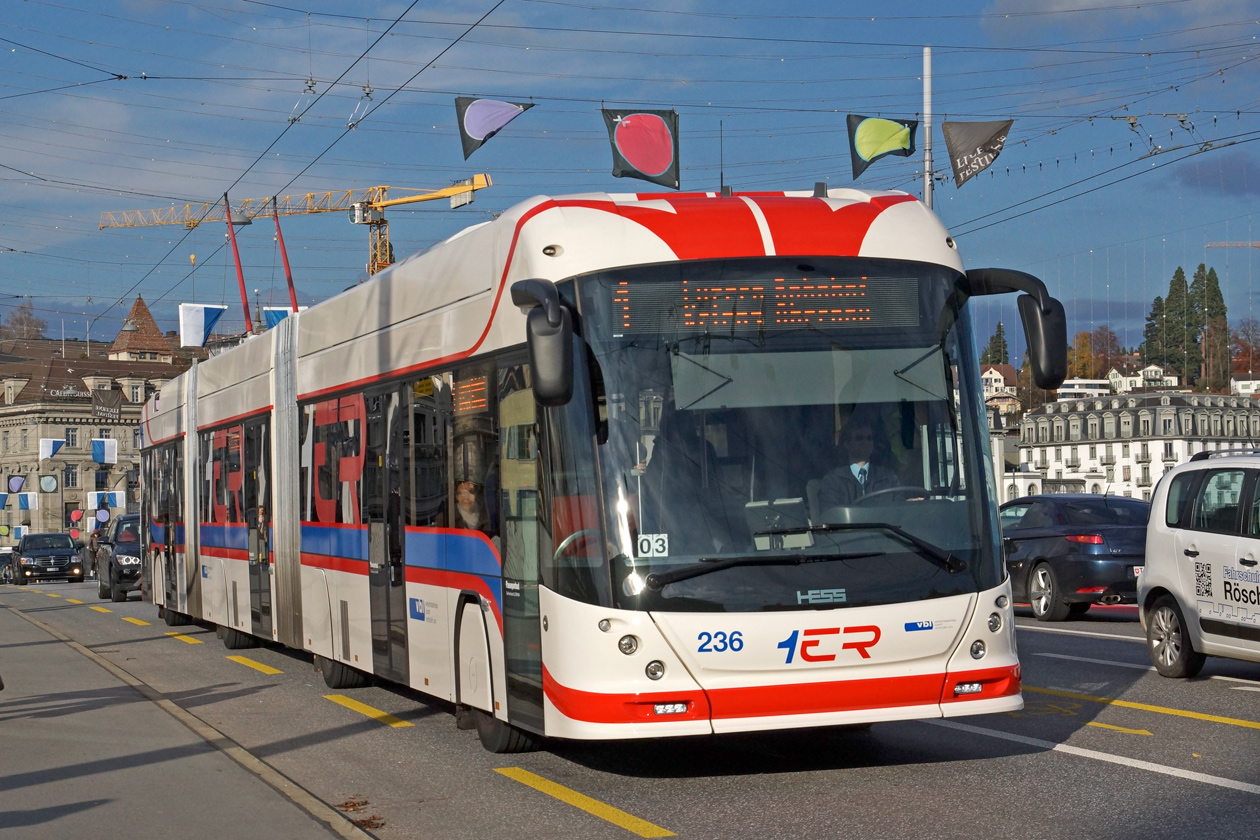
(995, 622)
(628, 644)
(655, 670)
(977, 649)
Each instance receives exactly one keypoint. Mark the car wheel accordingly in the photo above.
(499, 737)
(340, 675)
(1079, 609)
(102, 588)
(117, 593)
(1043, 593)
(78, 579)
(1172, 652)
(22, 581)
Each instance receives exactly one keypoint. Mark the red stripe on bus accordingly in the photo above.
(236, 418)
(456, 580)
(595, 707)
(336, 564)
(994, 682)
(225, 553)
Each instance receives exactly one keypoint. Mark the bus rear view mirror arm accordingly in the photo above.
(1045, 324)
(549, 331)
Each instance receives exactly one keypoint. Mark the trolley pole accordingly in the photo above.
(927, 126)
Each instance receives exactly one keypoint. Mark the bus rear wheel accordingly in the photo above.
(499, 737)
(234, 639)
(340, 675)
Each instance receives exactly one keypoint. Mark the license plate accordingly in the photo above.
(1137, 571)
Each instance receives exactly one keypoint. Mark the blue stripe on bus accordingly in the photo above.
(340, 541)
(225, 536)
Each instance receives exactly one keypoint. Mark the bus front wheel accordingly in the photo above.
(500, 737)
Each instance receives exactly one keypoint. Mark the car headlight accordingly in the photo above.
(27, 561)
(127, 560)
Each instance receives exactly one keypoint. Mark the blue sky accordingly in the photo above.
(1132, 147)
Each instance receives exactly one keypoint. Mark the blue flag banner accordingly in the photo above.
(106, 499)
(48, 447)
(105, 450)
(28, 501)
(276, 314)
(19, 531)
(196, 321)
(4, 499)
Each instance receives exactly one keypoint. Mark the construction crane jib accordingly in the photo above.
(363, 206)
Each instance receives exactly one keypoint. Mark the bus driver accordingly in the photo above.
(866, 471)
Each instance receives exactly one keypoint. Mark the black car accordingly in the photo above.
(118, 559)
(46, 557)
(1065, 552)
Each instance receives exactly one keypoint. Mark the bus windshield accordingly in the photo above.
(772, 434)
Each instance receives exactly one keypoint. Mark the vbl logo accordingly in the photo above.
(809, 641)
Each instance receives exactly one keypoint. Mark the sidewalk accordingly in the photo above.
(83, 754)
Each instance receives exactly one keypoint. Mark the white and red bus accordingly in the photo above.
(616, 466)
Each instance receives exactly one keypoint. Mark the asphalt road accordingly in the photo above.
(1105, 748)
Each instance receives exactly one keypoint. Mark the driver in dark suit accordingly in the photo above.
(866, 471)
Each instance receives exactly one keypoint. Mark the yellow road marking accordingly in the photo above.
(616, 816)
(52, 594)
(74, 600)
(189, 639)
(140, 622)
(1146, 707)
(364, 709)
(100, 609)
(257, 666)
(1117, 728)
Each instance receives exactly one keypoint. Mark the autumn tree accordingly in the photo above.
(996, 353)
(1104, 344)
(22, 322)
(1245, 347)
(1030, 396)
(1080, 358)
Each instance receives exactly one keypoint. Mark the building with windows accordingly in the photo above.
(63, 391)
(1128, 377)
(1000, 386)
(1081, 389)
(1122, 444)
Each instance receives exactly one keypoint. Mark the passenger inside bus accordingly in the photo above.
(470, 510)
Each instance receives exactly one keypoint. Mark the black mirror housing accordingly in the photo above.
(549, 331)
(1045, 323)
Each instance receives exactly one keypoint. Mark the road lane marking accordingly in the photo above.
(1117, 728)
(74, 600)
(257, 666)
(100, 609)
(1081, 633)
(1145, 707)
(139, 622)
(1218, 781)
(604, 811)
(364, 709)
(1252, 685)
(174, 634)
(52, 594)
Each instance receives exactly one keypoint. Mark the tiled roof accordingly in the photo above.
(145, 338)
(1009, 376)
(51, 377)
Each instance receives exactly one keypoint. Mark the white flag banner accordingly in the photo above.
(106, 499)
(105, 450)
(196, 322)
(48, 447)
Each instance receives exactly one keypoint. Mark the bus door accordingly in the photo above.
(518, 500)
(257, 488)
(383, 477)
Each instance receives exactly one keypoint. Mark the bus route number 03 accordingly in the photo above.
(653, 545)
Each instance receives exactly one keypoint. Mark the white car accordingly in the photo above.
(1199, 594)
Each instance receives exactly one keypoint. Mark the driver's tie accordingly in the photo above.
(861, 477)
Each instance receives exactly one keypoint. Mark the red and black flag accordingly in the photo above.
(644, 145)
(973, 146)
(481, 119)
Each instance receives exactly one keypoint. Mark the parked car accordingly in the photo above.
(118, 559)
(1203, 558)
(46, 557)
(1065, 552)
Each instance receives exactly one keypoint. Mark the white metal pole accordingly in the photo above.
(927, 126)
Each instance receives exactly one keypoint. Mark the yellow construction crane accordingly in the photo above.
(364, 206)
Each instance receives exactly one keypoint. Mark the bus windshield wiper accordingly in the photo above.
(658, 580)
(932, 553)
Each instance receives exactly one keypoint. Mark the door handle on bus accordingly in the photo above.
(1190, 552)
(1246, 561)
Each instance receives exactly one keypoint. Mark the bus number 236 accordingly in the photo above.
(720, 642)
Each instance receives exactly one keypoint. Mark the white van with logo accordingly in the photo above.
(1199, 594)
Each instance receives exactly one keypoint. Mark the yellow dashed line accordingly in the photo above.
(1117, 728)
(364, 709)
(140, 622)
(74, 600)
(257, 666)
(100, 609)
(189, 639)
(52, 594)
(1145, 707)
(616, 816)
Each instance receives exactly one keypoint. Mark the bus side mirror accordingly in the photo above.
(549, 331)
(1045, 323)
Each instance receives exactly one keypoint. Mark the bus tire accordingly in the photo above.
(234, 639)
(500, 737)
(174, 619)
(340, 675)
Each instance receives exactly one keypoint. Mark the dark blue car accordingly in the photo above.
(1066, 552)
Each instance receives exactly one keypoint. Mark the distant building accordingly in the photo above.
(1243, 385)
(1128, 377)
(1122, 444)
(1077, 389)
(52, 389)
(1000, 386)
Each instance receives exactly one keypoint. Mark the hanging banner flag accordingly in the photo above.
(481, 119)
(276, 314)
(28, 501)
(105, 450)
(871, 138)
(107, 404)
(973, 146)
(16, 482)
(48, 446)
(19, 531)
(644, 145)
(106, 499)
(4, 498)
(196, 321)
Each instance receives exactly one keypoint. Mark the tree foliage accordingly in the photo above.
(22, 322)
(1080, 358)
(1245, 347)
(997, 352)
(1104, 344)
(1188, 330)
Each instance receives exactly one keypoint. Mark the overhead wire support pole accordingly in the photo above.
(927, 127)
(284, 255)
(236, 255)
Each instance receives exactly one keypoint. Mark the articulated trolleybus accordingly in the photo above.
(616, 466)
